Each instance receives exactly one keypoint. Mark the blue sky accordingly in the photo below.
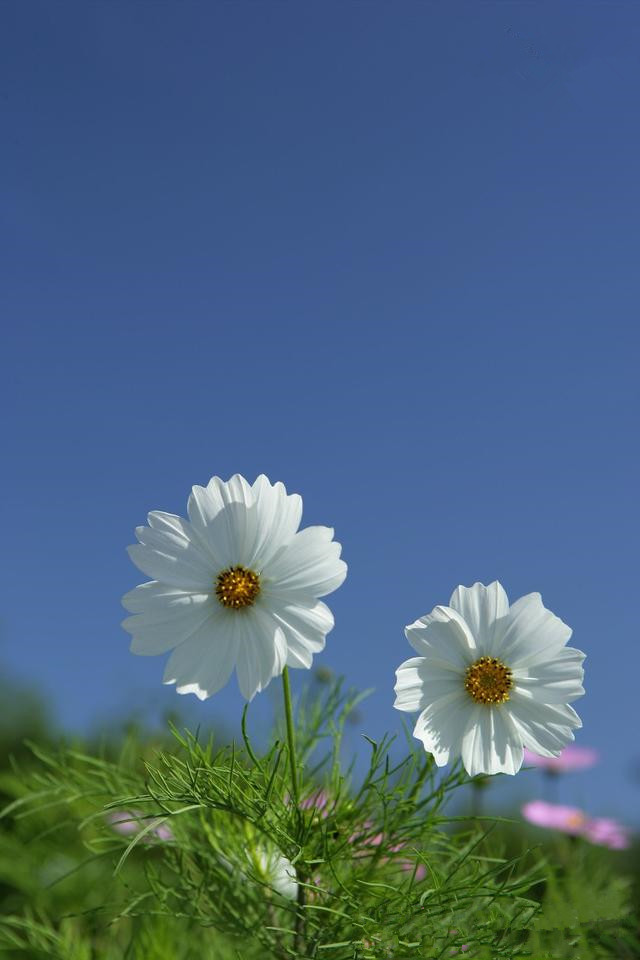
(386, 254)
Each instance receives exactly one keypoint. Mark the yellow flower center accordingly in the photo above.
(488, 681)
(237, 587)
(576, 819)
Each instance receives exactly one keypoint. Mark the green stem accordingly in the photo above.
(299, 935)
(288, 712)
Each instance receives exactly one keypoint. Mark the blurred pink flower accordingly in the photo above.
(163, 832)
(454, 950)
(408, 866)
(571, 758)
(313, 894)
(376, 840)
(607, 833)
(602, 831)
(128, 822)
(361, 836)
(555, 816)
(318, 801)
(124, 821)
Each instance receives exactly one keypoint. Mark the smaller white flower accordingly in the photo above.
(266, 864)
(276, 871)
(490, 680)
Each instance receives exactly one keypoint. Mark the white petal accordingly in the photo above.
(283, 878)
(309, 565)
(408, 688)
(154, 595)
(203, 663)
(305, 629)
(421, 681)
(170, 523)
(443, 636)
(277, 519)
(480, 607)
(262, 651)
(182, 533)
(558, 680)
(202, 507)
(544, 728)
(163, 627)
(206, 502)
(441, 724)
(224, 516)
(491, 743)
(187, 571)
(168, 534)
(560, 713)
(529, 633)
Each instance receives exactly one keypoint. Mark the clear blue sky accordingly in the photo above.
(386, 253)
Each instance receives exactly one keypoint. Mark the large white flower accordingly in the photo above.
(236, 586)
(491, 679)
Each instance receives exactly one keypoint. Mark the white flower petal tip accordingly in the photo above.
(491, 679)
(237, 586)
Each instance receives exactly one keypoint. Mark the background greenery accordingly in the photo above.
(390, 864)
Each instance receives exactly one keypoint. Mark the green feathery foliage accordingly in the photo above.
(194, 868)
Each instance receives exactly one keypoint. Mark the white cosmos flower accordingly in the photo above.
(267, 865)
(235, 586)
(491, 679)
(276, 871)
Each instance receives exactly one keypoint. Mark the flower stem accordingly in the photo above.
(288, 712)
(299, 930)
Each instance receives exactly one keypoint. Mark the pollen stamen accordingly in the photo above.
(237, 587)
(488, 681)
